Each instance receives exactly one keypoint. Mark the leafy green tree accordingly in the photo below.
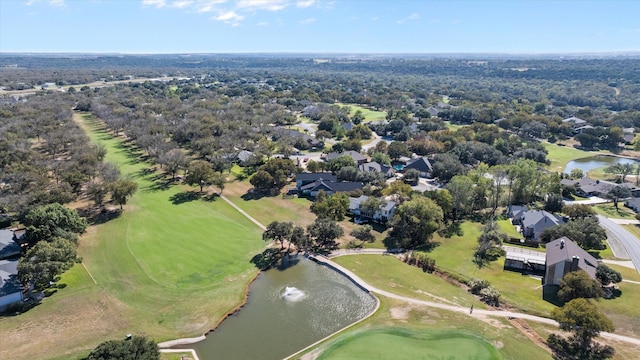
(279, 232)
(262, 180)
(415, 221)
(397, 149)
(363, 233)
(121, 190)
(399, 189)
(553, 203)
(607, 275)
(324, 233)
(357, 117)
(443, 198)
(586, 232)
(97, 191)
(576, 174)
(173, 160)
(299, 238)
(461, 189)
(46, 221)
(584, 321)
(340, 162)
(446, 166)
(489, 246)
(219, 180)
(412, 176)
(616, 193)
(578, 284)
(333, 207)
(578, 211)
(381, 158)
(136, 348)
(199, 173)
(46, 260)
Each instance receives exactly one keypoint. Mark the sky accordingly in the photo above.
(319, 26)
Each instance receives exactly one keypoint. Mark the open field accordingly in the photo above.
(508, 228)
(561, 155)
(369, 114)
(167, 267)
(371, 344)
(401, 326)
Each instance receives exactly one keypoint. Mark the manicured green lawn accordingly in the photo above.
(390, 274)
(403, 343)
(453, 127)
(561, 155)
(403, 331)
(508, 228)
(166, 267)
(609, 210)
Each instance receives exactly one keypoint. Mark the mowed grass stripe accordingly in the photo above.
(179, 267)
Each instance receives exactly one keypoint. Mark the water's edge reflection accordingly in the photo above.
(288, 309)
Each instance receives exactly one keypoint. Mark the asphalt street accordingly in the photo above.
(624, 237)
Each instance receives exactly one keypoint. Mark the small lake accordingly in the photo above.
(288, 309)
(595, 162)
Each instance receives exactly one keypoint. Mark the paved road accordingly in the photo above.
(624, 237)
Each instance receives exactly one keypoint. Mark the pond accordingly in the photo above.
(287, 310)
(595, 162)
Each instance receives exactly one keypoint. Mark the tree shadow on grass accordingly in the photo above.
(267, 259)
(97, 215)
(211, 197)
(185, 196)
(254, 194)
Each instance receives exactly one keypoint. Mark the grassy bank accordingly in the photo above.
(166, 267)
(561, 155)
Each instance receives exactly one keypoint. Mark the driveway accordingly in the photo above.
(620, 237)
(590, 201)
(376, 140)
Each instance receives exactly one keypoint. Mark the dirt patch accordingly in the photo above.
(525, 329)
(400, 313)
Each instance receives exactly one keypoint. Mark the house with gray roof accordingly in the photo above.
(382, 215)
(10, 287)
(303, 179)
(329, 187)
(534, 222)
(388, 171)
(633, 204)
(575, 122)
(564, 256)
(356, 156)
(9, 246)
(515, 212)
(421, 164)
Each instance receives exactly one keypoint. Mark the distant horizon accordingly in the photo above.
(517, 27)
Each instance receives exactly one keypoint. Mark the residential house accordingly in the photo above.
(574, 122)
(564, 256)
(534, 222)
(515, 212)
(9, 246)
(433, 111)
(244, 156)
(388, 171)
(421, 164)
(303, 179)
(633, 204)
(383, 214)
(10, 287)
(329, 187)
(356, 156)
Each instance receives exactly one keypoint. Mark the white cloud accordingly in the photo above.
(308, 21)
(375, 18)
(156, 3)
(262, 24)
(305, 3)
(181, 4)
(57, 3)
(229, 16)
(270, 5)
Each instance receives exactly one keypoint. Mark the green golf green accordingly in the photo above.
(400, 343)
